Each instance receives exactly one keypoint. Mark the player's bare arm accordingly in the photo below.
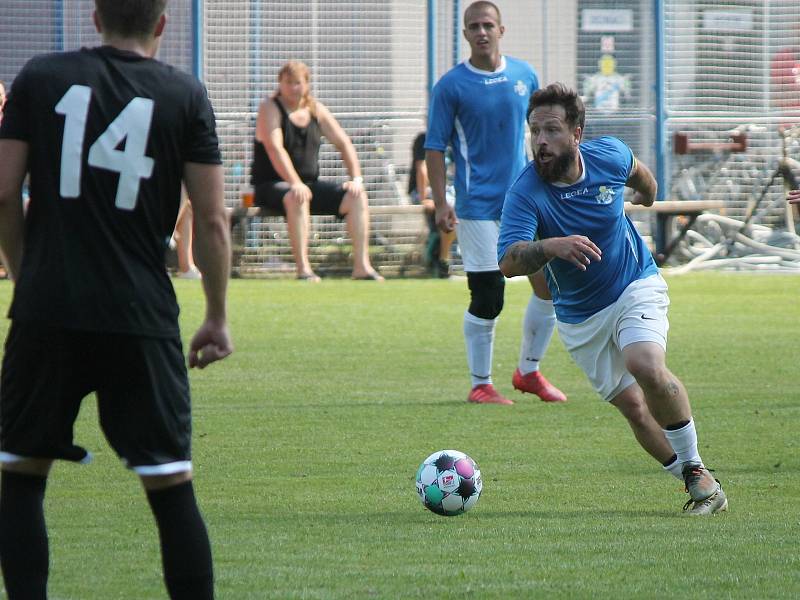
(421, 172)
(212, 254)
(445, 215)
(337, 136)
(525, 258)
(12, 174)
(642, 181)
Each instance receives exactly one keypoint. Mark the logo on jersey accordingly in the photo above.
(606, 195)
(521, 88)
(573, 193)
(493, 80)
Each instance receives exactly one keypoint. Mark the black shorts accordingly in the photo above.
(326, 197)
(142, 393)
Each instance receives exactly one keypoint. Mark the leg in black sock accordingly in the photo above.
(23, 536)
(185, 548)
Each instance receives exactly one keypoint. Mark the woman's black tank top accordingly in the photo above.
(302, 144)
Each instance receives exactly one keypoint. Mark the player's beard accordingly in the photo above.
(558, 166)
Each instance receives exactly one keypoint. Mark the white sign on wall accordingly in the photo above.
(728, 20)
(606, 19)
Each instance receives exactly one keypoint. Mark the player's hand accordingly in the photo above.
(301, 193)
(354, 186)
(640, 198)
(446, 218)
(428, 205)
(577, 249)
(211, 343)
(793, 197)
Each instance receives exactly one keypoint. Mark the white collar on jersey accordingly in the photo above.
(580, 179)
(499, 69)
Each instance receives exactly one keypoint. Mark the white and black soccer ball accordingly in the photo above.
(449, 483)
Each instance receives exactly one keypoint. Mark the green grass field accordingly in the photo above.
(307, 440)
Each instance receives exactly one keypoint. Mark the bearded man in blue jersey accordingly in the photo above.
(565, 212)
(478, 108)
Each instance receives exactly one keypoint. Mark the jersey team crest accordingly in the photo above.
(605, 195)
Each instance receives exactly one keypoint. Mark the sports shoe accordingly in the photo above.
(535, 383)
(192, 273)
(486, 394)
(441, 269)
(700, 483)
(715, 503)
(705, 493)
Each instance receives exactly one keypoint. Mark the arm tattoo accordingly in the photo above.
(527, 258)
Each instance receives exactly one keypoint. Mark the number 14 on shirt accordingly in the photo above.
(131, 125)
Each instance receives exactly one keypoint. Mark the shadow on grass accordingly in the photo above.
(400, 404)
(426, 518)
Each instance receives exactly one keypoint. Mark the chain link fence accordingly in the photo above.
(730, 69)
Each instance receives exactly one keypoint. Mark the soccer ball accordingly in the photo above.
(449, 483)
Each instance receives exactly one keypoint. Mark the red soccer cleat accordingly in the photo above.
(486, 394)
(535, 383)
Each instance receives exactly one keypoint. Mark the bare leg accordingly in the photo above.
(445, 243)
(354, 208)
(298, 224)
(631, 403)
(664, 393)
(669, 404)
(539, 285)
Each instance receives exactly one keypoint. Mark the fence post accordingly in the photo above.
(197, 38)
(456, 31)
(431, 47)
(59, 28)
(662, 163)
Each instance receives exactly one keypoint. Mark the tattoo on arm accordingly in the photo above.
(528, 257)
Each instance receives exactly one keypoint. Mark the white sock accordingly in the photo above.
(684, 443)
(537, 329)
(675, 468)
(479, 337)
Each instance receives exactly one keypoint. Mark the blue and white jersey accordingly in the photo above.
(481, 114)
(593, 206)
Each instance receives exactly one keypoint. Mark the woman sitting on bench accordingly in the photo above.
(285, 170)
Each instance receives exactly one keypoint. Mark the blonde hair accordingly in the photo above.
(299, 70)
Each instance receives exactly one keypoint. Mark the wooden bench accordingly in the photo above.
(663, 213)
(398, 234)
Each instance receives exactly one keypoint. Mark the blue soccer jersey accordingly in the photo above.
(593, 207)
(481, 114)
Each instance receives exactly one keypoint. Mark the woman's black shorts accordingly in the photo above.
(326, 197)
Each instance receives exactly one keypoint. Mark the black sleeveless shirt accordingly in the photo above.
(302, 144)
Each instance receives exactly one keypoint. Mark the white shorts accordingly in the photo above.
(477, 241)
(638, 315)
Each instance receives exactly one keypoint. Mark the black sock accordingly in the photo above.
(671, 460)
(676, 426)
(23, 536)
(185, 548)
